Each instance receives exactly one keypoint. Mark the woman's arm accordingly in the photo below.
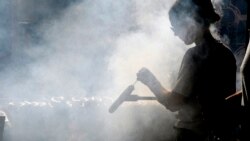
(170, 100)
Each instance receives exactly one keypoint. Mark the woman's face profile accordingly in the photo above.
(187, 30)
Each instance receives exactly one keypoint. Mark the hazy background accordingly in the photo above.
(63, 62)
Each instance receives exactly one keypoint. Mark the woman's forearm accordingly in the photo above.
(171, 100)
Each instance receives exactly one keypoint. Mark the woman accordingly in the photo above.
(206, 77)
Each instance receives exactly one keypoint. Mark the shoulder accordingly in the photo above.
(190, 53)
(197, 53)
(188, 56)
(193, 58)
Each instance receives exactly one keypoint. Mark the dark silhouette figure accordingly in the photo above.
(245, 71)
(239, 102)
(206, 77)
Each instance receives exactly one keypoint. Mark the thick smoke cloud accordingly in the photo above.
(63, 62)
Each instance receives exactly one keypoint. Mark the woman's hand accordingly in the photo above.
(146, 77)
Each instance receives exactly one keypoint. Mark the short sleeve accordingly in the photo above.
(187, 75)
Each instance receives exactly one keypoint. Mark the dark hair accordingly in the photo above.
(201, 11)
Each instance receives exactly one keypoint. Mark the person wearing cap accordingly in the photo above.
(206, 77)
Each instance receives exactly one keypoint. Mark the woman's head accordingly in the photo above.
(190, 18)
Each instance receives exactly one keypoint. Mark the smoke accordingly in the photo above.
(64, 62)
(218, 5)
